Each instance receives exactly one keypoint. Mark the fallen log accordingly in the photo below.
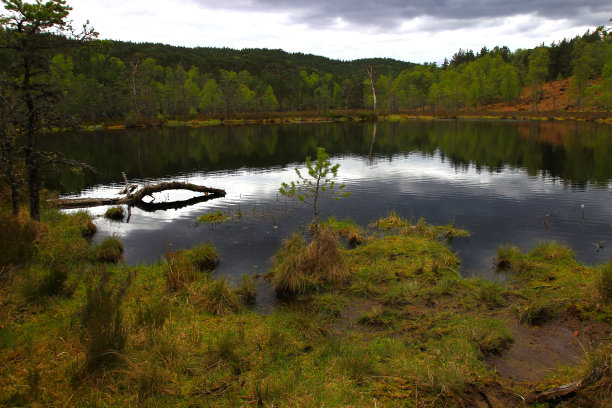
(567, 389)
(136, 198)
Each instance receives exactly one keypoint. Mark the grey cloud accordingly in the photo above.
(450, 13)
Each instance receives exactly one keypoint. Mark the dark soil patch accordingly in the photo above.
(539, 349)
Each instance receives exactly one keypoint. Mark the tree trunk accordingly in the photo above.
(31, 160)
(370, 72)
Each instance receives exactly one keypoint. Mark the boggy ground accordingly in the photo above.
(380, 317)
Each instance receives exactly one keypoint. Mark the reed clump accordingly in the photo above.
(300, 267)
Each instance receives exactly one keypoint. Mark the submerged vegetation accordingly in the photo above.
(387, 322)
(213, 217)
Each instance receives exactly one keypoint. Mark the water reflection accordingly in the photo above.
(507, 182)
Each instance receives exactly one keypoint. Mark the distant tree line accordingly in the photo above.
(114, 79)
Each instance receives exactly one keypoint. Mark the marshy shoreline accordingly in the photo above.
(380, 316)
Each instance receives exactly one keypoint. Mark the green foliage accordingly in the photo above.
(320, 179)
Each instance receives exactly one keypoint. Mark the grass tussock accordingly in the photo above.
(213, 218)
(203, 257)
(299, 267)
(551, 251)
(391, 221)
(604, 282)
(215, 296)
(103, 332)
(115, 213)
(507, 255)
(110, 250)
(178, 274)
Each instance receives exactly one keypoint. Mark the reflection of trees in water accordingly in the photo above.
(577, 153)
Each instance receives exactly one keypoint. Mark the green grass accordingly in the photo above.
(397, 325)
(213, 218)
(115, 213)
(110, 250)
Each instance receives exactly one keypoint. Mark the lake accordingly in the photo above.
(517, 182)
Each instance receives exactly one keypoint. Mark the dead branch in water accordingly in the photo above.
(136, 199)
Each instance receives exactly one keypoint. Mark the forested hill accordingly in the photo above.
(122, 80)
(258, 61)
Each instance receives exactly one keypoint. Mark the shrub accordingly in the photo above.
(110, 250)
(115, 213)
(101, 320)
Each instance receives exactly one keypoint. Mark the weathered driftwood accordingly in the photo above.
(567, 389)
(136, 199)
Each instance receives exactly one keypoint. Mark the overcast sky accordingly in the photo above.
(409, 30)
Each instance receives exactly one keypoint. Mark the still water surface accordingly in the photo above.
(507, 182)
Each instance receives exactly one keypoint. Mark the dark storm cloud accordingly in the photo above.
(452, 13)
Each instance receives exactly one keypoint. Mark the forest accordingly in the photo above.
(121, 80)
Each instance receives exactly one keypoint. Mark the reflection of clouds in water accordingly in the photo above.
(400, 174)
